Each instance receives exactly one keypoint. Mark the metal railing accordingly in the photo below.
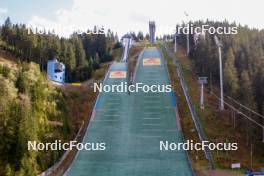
(182, 137)
(195, 117)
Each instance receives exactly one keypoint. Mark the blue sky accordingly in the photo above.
(125, 15)
(22, 10)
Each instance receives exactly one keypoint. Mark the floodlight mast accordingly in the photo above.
(187, 35)
(219, 45)
(188, 45)
(202, 81)
(175, 42)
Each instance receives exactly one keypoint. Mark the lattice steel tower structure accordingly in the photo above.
(152, 29)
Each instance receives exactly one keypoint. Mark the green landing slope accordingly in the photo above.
(132, 126)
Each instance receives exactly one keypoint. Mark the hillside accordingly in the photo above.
(213, 122)
(34, 110)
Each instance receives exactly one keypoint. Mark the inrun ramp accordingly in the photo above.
(132, 126)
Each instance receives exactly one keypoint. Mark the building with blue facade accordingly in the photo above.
(56, 71)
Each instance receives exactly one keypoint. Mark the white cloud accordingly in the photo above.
(3, 14)
(123, 16)
(3, 11)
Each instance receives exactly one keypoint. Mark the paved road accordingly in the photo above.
(132, 127)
